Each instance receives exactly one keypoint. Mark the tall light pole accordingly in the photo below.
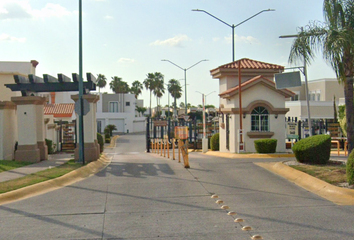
(233, 26)
(185, 78)
(306, 84)
(168, 95)
(81, 91)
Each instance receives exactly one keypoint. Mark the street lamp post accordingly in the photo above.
(168, 97)
(185, 78)
(204, 140)
(306, 84)
(81, 87)
(233, 26)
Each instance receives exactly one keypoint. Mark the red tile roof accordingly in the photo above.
(247, 63)
(59, 109)
(232, 91)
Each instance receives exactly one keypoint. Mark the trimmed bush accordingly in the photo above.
(313, 150)
(350, 168)
(100, 141)
(265, 145)
(107, 140)
(49, 144)
(214, 142)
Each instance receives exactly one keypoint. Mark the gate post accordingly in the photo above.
(148, 134)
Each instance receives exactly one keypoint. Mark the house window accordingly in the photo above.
(127, 104)
(113, 106)
(260, 120)
(318, 95)
(296, 97)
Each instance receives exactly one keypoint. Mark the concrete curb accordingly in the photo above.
(50, 185)
(337, 195)
(251, 155)
(113, 142)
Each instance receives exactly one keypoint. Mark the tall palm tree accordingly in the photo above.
(335, 37)
(159, 88)
(136, 88)
(149, 84)
(118, 85)
(101, 81)
(175, 90)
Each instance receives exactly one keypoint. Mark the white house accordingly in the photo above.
(263, 106)
(120, 110)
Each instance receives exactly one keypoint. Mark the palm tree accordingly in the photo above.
(335, 37)
(149, 85)
(175, 90)
(118, 85)
(101, 81)
(159, 88)
(136, 88)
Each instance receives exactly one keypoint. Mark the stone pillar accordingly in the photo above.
(8, 130)
(91, 146)
(30, 125)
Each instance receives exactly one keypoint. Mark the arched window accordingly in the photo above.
(260, 119)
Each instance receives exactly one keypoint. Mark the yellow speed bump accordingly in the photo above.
(219, 201)
(224, 207)
(246, 228)
(238, 220)
(214, 196)
(231, 213)
(254, 237)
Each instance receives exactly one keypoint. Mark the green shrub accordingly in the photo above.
(100, 141)
(266, 145)
(49, 144)
(214, 142)
(108, 140)
(109, 129)
(313, 150)
(350, 168)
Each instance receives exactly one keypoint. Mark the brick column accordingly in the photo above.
(30, 125)
(91, 146)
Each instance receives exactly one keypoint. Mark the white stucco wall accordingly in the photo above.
(8, 133)
(27, 126)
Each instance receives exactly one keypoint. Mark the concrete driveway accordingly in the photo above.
(145, 196)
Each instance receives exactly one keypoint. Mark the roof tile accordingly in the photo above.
(59, 109)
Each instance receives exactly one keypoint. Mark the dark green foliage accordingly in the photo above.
(265, 145)
(49, 144)
(100, 141)
(350, 168)
(313, 150)
(108, 140)
(214, 142)
(109, 129)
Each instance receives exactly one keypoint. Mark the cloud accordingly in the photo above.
(172, 42)
(21, 9)
(51, 10)
(126, 60)
(244, 39)
(6, 37)
(108, 17)
(14, 10)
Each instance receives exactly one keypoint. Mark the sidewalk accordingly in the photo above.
(54, 160)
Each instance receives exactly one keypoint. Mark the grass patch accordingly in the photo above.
(6, 165)
(333, 173)
(38, 177)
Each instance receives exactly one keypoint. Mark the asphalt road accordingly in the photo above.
(146, 196)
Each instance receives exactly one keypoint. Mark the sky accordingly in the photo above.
(129, 38)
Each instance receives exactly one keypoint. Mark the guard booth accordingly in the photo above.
(30, 116)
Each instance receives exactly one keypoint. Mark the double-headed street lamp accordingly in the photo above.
(233, 26)
(185, 78)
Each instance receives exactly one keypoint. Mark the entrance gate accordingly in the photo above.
(164, 129)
